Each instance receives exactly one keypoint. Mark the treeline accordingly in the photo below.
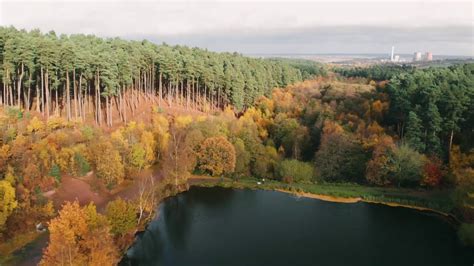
(79, 74)
(375, 72)
(432, 108)
(309, 69)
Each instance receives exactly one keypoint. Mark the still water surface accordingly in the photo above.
(218, 226)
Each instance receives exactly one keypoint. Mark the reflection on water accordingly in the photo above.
(217, 226)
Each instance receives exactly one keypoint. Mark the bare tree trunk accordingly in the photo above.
(10, 87)
(143, 92)
(20, 80)
(42, 91)
(107, 110)
(160, 89)
(450, 144)
(37, 98)
(80, 96)
(188, 95)
(28, 98)
(46, 81)
(75, 92)
(124, 106)
(176, 92)
(68, 96)
(96, 103)
(2, 99)
(57, 109)
(205, 95)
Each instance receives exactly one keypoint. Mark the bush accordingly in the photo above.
(466, 234)
(295, 171)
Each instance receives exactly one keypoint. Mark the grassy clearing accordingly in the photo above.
(438, 200)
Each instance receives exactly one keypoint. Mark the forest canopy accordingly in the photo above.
(73, 75)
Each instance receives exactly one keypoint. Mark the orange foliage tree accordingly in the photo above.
(216, 155)
(379, 166)
(79, 236)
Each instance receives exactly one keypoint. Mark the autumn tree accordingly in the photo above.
(264, 161)
(7, 201)
(407, 166)
(379, 166)
(121, 215)
(242, 158)
(432, 172)
(216, 155)
(79, 236)
(180, 160)
(147, 198)
(108, 163)
(340, 157)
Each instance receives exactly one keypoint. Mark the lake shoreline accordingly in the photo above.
(330, 198)
(324, 197)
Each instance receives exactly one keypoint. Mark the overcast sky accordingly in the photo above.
(261, 27)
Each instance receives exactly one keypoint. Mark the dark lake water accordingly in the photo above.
(217, 226)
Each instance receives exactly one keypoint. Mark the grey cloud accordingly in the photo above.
(276, 27)
(448, 40)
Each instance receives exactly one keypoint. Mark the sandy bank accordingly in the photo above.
(359, 199)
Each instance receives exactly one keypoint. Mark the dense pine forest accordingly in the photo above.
(385, 133)
(78, 75)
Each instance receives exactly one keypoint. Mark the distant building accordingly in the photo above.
(428, 56)
(396, 58)
(417, 56)
(391, 55)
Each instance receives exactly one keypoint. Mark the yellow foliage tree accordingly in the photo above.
(7, 201)
(121, 215)
(56, 123)
(4, 156)
(65, 159)
(149, 144)
(10, 175)
(182, 121)
(108, 163)
(35, 125)
(160, 128)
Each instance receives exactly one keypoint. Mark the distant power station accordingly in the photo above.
(427, 57)
(417, 56)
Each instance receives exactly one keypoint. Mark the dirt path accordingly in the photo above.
(72, 189)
